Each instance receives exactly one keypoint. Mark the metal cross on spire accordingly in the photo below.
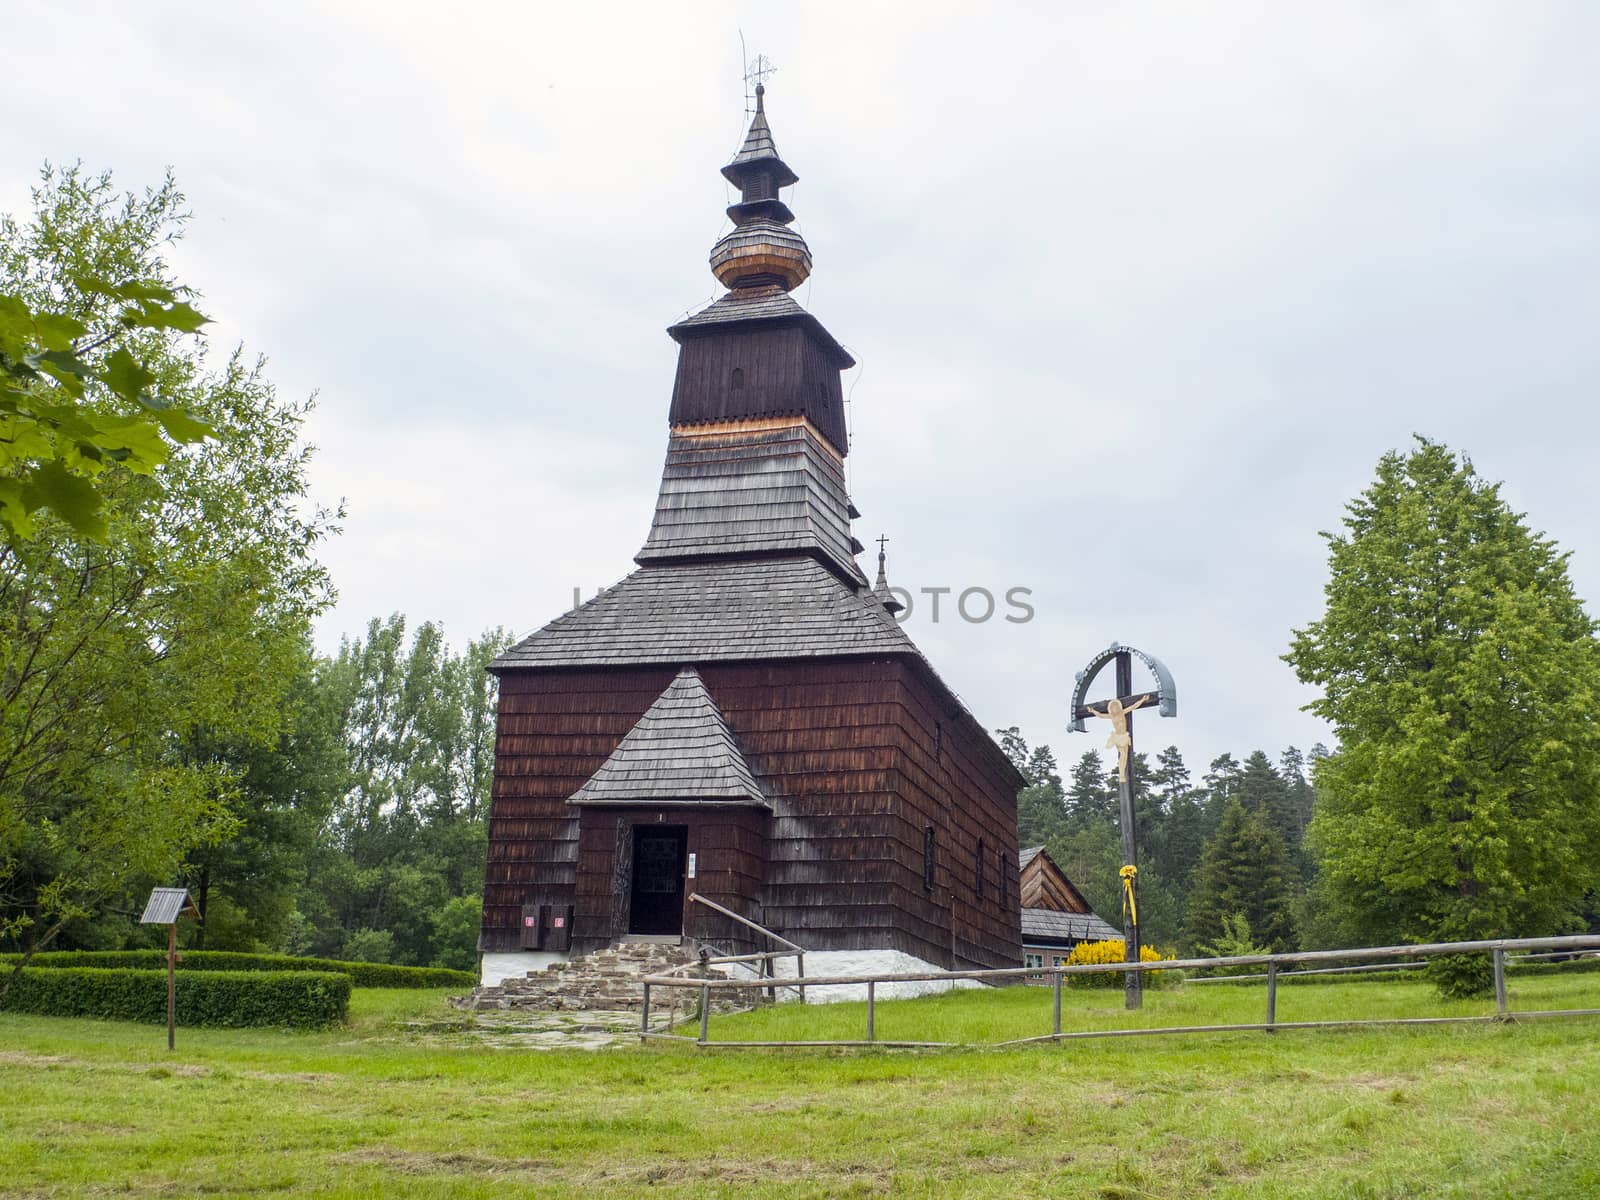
(759, 70)
(883, 541)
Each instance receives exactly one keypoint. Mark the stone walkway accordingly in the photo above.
(528, 1029)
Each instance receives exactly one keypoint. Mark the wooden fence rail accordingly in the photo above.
(1497, 950)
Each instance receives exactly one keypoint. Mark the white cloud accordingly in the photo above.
(1140, 293)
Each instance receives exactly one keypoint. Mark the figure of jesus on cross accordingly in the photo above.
(1119, 711)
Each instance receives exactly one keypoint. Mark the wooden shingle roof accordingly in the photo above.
(767, 304)
(1046, 926)
(724, 610)
(752, 491)
(681, 750)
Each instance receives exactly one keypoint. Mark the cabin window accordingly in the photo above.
(977, 883)
(1033, 960)
(927, 859)
(736, 381)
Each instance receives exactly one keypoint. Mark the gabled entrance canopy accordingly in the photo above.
(680, 752)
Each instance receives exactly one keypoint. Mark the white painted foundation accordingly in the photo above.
(821, 963)
(497, 968)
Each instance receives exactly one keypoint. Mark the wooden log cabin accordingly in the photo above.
(1055, 916)
(743, 716)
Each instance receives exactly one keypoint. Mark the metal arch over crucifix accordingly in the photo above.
(1119, 710)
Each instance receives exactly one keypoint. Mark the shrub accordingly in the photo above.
(362, 975)
(1094, 953)
(1235, 942)
(369, 946)
(1462, 976)
(303, 999)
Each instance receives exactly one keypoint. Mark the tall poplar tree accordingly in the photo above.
(1462, 677)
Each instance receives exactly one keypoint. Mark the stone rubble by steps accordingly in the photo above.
(606, 980)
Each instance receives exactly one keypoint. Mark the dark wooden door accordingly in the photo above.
(659, 857)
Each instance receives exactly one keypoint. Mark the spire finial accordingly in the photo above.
(760, 251)
(881, 589)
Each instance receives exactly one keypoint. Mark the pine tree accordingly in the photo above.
(1263, 790)
(1041, 805)
(1244, 869)
(1170, 779)
(1302, 803)
(1089, 800)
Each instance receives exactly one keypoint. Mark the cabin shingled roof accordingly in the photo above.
(681, 749)
(1049, 926)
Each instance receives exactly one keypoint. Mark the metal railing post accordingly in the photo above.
(1057, 1003)
(705, 1011)
(872, 1010)
(644, 1016)
(1499, 956)
(1272, 996)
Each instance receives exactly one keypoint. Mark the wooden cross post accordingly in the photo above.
(1119, 711)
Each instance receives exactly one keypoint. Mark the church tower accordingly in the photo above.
(742, 717)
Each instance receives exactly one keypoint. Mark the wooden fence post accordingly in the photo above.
(800, 971)
(172, 983)
(1272, 996)
(872, 1011)
(1057, 1003)
(1499, 982)
(705, 1011)
(644, 1016)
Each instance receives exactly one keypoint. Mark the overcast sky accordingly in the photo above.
(1139, 292)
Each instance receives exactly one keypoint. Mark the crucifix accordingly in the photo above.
(1119, 710)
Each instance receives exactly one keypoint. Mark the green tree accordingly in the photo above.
(84, 314)
(1462, 676)
(1089, 800)
(1263, 790)
(185, 613)
(1244, 869)
(245, 886)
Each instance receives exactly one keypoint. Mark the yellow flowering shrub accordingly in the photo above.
(1087, 953)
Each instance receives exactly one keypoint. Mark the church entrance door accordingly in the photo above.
(659, 857)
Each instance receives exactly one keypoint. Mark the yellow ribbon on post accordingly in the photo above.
(1129, 904)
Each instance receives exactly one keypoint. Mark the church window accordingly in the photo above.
(1005, 880)
(927, 859)
(978, 882)
(737, 380)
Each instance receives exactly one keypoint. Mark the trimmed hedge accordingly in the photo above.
(362, 975)
(302, 999)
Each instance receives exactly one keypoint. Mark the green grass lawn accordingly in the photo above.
(401, 1103)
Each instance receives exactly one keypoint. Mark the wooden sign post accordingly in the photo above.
(1119, 711)
(164, 907)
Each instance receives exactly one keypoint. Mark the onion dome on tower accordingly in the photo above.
(761, 249)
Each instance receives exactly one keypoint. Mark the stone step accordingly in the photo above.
(606, 980)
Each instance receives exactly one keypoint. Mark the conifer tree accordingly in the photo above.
(1244, 869)
(1089, 800)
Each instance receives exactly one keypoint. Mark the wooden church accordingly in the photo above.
(743, 717)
